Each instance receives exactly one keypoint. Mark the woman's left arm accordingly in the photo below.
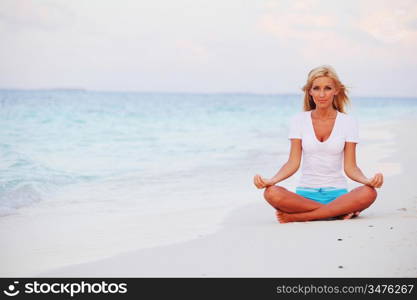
(353, 172)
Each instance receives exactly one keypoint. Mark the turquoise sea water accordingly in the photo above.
(60, 145)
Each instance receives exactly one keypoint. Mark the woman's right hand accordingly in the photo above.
(261, 182)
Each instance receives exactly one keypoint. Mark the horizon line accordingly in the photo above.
(75, 89)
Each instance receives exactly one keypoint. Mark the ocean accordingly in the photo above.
(137, 152)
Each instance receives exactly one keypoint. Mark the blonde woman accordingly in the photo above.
(326, 137)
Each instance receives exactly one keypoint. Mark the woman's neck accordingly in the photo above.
(324, 113)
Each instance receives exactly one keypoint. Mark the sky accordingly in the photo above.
(208, 46)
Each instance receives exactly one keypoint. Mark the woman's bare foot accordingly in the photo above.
(351, 215)
(283, 217)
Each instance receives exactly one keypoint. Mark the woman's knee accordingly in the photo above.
(371, 192)
(369, 195)
(274, 193)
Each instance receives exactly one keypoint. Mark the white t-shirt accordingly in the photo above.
(323, 161)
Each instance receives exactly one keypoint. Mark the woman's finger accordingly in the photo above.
(373, 181)
(379, 179)
(256, 181)
(262, 182)
(259, 181)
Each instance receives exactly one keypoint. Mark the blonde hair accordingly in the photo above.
(340, 100)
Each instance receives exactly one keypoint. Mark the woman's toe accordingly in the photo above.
(348, 216)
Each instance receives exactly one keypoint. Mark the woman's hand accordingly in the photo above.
(261, 182)
(376, 181)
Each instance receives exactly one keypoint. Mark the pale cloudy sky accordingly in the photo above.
(208, 45)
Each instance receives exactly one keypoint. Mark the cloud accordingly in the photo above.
(31, 14)
(314, 30)
(297, 19)
(389, 21)
(296, 25)
(383, 21)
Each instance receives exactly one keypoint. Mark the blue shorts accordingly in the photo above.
(322, 195)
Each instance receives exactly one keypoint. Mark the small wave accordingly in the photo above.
(19, 196)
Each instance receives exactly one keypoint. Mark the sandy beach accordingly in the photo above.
(382, 242)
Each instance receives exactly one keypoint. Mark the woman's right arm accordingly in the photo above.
(287, 170)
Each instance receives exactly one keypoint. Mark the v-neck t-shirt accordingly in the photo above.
(322, 162)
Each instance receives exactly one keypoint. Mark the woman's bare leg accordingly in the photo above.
(358, 199)
(286, 201)
(283, 200)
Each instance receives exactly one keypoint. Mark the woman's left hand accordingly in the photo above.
(376, 181)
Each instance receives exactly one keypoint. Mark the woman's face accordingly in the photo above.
(323, 91)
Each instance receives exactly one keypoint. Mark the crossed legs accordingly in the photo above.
(292, 207)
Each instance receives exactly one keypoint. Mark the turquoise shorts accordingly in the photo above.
(323, 195)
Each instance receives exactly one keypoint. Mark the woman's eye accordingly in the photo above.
(328, 88)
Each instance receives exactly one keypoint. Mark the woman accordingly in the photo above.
(327, 138)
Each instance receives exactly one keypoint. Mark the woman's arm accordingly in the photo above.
(352, 170)
(288, 169)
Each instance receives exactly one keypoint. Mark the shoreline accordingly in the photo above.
(381, 242)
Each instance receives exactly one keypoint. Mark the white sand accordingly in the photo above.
(382, 242)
